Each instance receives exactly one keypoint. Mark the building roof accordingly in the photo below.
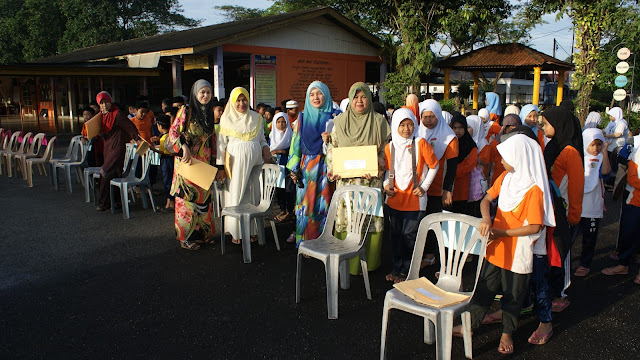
(85, 69)
(196, 40)
(504, 57)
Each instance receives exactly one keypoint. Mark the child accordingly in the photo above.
(407, 200)
(596, 164)
(529, 117)
(279, 144)
(564, 160)
(467, 161)
(508, 124)
(524, 208)
(476, 129)
(494, 109)
(166, 160)
(268, 115)
(218, 109)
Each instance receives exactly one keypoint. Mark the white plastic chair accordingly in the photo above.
(31, 152)
(335, 253)
(73, 153)
(8, 145)
(41, 161)
(67, 166)
(460, 236)
(10, 155)
(268, 177)
(126, 183)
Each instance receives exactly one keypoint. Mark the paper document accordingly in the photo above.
(199, 173)
(142, 148)
(425, 292)
(93, 126)
(329, 126)
(355, 161)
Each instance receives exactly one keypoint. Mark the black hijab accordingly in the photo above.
(568, 133)
(466, 143)
(202, 114)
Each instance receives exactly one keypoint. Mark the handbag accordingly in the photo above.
(476, 191)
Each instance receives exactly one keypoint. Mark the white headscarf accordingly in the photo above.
(402, 146)
(447, 117)
(343, 104)
(527, 160)
(591, 163)
(475, 122)
(484, 113)
(512, 109)
(593, 120)
(618, 115)
(280, 140)
(635, 157)
(441, 135)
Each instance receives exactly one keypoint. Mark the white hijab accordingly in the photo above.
(593, 120)
(447, 117)
(441, 135)
(475, 122)
(402, 146)
(591, 163)
(512, 109)
(635, 157)
(484, 114)
(527, 160)
(280, 140)
(343, 104)
(618, 115)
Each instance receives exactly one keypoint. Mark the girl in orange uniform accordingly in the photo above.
(467, 161)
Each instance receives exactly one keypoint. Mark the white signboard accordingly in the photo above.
(619, 94)
(622, 67)
(624, 53)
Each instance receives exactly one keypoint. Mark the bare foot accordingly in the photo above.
(493, 318)
(506, 344)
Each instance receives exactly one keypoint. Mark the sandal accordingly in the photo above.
(614, 270)
(286, 217)
(391, 277)
(291, 238)
(581, 271)
(502, 348)
(540, 339)
(253, 238)
(400, 278)
(188, 245)
(208, 241)
(236, 241)
(490, 319)
(559, 306)
(279, 216)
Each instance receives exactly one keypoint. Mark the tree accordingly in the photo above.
(32, 29)
(236, 12)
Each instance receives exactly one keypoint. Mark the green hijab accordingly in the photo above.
(368, 128)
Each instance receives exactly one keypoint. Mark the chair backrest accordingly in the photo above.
(25, 143)
(358, 201)
(13, 142)
(48, 152)
(457, 233)
(72, 149)
(146, 161)
(269, 175)
(36, 142)
(128, 164)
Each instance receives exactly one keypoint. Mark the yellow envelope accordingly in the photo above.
(199, 173)
(355, 161)
(142, 148)
(227, 164)
(94, 125)
(425, 292)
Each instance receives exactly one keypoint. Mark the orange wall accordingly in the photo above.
(296, 69)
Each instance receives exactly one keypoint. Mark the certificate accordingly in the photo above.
(355, 161)
(93, 126)
(425, 292)
(142, 148)
(198, 172)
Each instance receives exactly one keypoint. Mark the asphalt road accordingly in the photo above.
(78, 284)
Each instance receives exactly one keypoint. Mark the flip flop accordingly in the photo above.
(538, 339)
(612, 271)
(581, 271)
(490, 319)
(391, 277)
(502, 350)
(559, 306)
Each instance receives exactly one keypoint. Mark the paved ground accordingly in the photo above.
(75, 283)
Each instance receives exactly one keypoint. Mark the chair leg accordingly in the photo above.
(466, 334)
(444, 335)
(245, 232)
(87, 187)
(54, 174)
(150, 193)
(275, 234)
(365, 275)
(345, 276)
(67, 172)
(332, 269)
(298, 276)
(29, 174)
(124, 196)
(260, 231)
(222, 235)
(429, 332)
(9, 165)
(113, 200)
(383, 334)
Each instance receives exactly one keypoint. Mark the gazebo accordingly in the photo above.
(505, 57)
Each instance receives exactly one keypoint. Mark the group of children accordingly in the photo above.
(529, 212)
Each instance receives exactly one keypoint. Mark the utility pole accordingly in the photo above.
(553, 76)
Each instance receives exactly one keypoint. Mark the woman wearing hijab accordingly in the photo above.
(439, 135)
(360, 126)
(529, 117)
(308, 164)
(241, 146)
(467, 161)
(447, 117)
(413, 103)
(495, 112)
(117, 131)
(279, 144)
(512, 109)
(192, 133)
(593, 121)
(564, 160)
(509, 123)
(619, 132)
(476, 129)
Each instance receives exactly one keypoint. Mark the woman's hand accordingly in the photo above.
(333, 177)
(155, 138)
(418, 191)
(389, 192)
(367, 176)
(485, 227)
(293, 177)
(326, 136)
(186, 154)
(447, 198)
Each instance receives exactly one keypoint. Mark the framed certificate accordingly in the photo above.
(355, 161)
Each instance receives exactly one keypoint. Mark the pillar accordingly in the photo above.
(476, 83)
(145, 87)
(507, 91)
(536, 85)
(176, 74)
(560, 87)
(252, 82)
(53, 105)
(218, 74)
(447, 84)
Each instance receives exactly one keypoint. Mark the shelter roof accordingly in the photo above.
(196, 40)
(504, 57)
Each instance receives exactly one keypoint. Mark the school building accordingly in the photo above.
(274, 57)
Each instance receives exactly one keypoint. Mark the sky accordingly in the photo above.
(541, 37)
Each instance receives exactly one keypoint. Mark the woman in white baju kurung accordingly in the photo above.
(241, 136)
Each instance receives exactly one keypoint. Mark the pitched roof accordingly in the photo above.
(504, 57)
(203, 38)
